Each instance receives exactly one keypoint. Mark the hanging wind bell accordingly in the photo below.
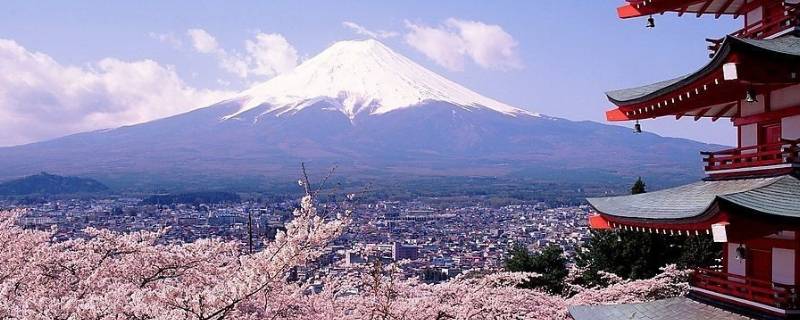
(741, 252)
(637, 128)
(750, 95)
(651, 22)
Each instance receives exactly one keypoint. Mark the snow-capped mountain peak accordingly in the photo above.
(363, 76)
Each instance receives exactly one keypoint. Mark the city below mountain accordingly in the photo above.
(369, 111)
(204, 197)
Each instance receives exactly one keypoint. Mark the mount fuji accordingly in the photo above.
(368, 110)
(363, 78)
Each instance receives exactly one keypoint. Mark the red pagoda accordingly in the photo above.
(750, 199)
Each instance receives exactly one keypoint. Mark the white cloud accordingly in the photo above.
(268, 54)
(41, 98)
(378, 34)
(203, 42)
(167, 38)
(488, 45)
(451, 43)
(235, 64)
(442, 46)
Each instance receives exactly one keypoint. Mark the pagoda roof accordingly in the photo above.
(638, 8)
(777, 196)
(660, 98)
(629, 95)
(666, 309)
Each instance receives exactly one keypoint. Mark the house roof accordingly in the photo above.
(779, 196)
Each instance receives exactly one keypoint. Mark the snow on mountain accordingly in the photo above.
(368, 111)
(362, 76)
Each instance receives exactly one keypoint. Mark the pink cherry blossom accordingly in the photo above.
(108, 275)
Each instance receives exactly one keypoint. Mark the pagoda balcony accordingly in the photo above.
(745, 291)
(780, 156)
(775, 25)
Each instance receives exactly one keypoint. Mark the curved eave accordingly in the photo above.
(608, 219)
(640, 8)
(605, 221)
(640, 102)
(616, 115)
(629, 96)
(697, 205)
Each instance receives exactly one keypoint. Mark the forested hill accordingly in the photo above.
(50, 184)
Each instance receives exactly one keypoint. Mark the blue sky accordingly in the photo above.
(568, 53)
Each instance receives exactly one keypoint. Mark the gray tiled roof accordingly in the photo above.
(786, 45)
(773, 196)
(639, 92)
(668, 309)
(781, 198)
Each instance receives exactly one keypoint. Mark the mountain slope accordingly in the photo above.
(49, 184)
(370, 111)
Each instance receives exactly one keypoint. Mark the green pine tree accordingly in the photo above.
(638, 187)
(549, 263)
(640, 255)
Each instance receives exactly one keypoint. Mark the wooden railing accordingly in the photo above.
(755, 156)
(785, 19)
(774, 24)
(764, 292)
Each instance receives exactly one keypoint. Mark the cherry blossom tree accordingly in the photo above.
(108, 275)
(380, 294)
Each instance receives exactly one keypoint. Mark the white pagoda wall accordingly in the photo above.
(735, 266)
(748, 135)
(790, 127)
(783, 263)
